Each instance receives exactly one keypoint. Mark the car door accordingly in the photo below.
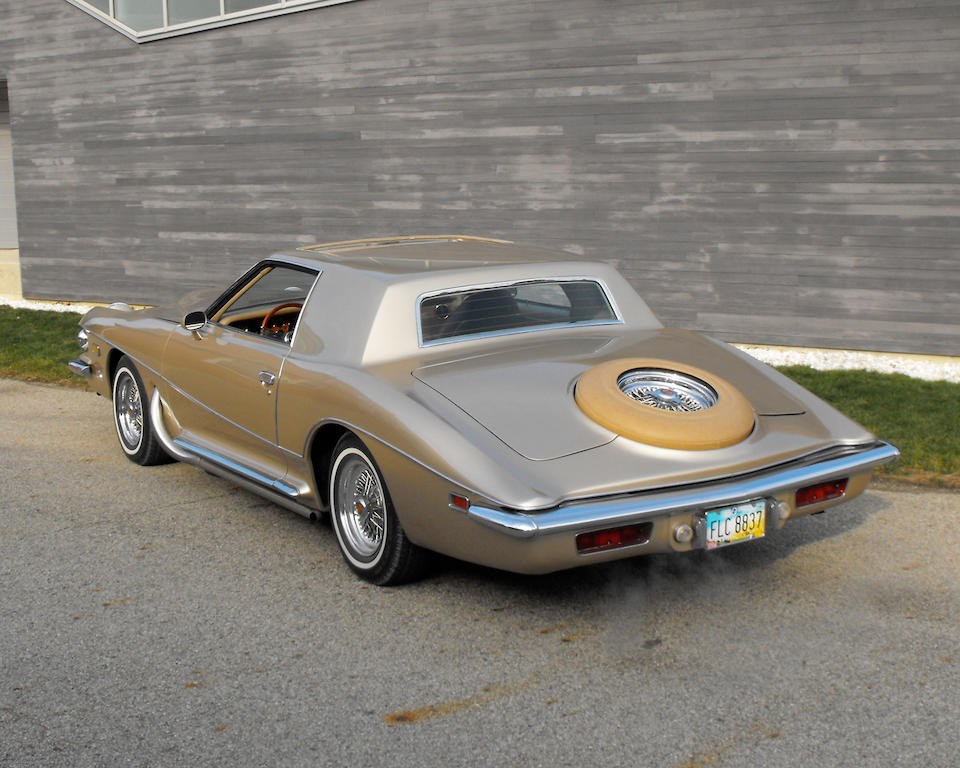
(224, 376)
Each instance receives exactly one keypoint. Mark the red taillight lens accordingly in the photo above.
(460, 502)
(816, 494)
(612, 538)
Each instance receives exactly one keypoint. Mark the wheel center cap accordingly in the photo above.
(364, 510)
(665, 395)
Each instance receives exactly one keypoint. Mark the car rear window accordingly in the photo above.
(521, 306)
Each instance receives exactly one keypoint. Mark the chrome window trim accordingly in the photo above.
(223, 19)
(271, 262)
(618, 318)
(250, 335)
(306, 302)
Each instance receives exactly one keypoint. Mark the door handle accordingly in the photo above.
(266, 378)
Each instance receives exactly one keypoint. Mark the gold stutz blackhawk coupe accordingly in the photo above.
(506, 405)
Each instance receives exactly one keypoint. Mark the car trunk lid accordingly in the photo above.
(524, 394)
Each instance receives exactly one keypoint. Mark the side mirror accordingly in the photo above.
(194, 321)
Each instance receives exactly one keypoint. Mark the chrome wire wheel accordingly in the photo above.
(371, 538)
(128, 409)
(132, 419)
(358, 504)
(658, 402)
(667, 390)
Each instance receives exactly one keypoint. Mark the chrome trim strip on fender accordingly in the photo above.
(160, 430)
(400, 452)
(815, 457)
(518, 524)
(646, 506)
(140, 364)
(211, 411)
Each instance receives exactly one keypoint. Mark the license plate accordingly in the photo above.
(731, 525)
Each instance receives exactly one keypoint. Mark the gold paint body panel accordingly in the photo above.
(441, 419)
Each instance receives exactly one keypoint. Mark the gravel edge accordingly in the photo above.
(917, 366)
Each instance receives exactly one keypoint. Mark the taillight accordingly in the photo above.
(612, 538)
(817, 494)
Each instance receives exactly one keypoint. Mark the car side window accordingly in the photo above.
(268, 302)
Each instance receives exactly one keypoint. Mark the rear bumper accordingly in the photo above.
(540, 542)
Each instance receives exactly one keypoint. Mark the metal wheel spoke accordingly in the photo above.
(359, 506)
(667, 390)
(129, 410)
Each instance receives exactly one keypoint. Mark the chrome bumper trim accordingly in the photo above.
(80, 367)
(645, 506)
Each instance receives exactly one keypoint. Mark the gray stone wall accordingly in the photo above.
(778, 171)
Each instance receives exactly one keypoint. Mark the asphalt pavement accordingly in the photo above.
(162, 617)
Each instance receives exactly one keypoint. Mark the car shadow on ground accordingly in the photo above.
(681, 568)
(488, 588)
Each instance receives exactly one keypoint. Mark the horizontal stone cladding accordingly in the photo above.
(770, 171)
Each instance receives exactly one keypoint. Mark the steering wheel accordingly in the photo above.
(266, 327)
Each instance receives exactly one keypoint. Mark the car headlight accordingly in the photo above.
(83, 340)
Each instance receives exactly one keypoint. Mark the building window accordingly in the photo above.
(184, 11)
(139, 14)
(146, 20)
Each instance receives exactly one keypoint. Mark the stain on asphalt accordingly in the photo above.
(487, 695)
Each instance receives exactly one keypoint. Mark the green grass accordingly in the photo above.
(37, 345)
(922, 418)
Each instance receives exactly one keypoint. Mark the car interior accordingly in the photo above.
(269, 303)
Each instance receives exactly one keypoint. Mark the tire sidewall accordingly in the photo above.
(126, 370)
(347, 447)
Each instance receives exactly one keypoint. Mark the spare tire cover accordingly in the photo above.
(664, 403)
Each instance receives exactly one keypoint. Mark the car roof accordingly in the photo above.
(409, 255)
(378, 284)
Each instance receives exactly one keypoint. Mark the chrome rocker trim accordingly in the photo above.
(238, 469)
(578, 517)
(276, 490)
